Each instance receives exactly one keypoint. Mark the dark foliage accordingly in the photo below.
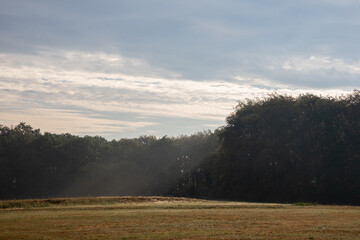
(35, 165)
(285, 149)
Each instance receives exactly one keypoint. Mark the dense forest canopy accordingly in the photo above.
(279, 149)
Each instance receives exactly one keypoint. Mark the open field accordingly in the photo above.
(173, 218)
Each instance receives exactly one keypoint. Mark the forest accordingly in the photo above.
(274, 149)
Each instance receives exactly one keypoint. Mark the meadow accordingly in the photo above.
(173, 218)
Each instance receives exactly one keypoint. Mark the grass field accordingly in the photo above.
(173, 218)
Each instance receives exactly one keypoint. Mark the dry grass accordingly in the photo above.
(167, 218)
(36, 203)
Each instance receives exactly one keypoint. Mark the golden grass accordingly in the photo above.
(35, 203)
(162, 218)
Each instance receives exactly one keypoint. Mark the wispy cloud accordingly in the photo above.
(64, 121)
(50, 87)
(317, 63)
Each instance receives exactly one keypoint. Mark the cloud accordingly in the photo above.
(94, 88)
(249, 81)
(176, 64)
(77, 81)
(316, 63)
(64, 121)
(206, 40)
(93, 92)
(309, 72)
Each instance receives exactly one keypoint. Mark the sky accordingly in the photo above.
(126, 68)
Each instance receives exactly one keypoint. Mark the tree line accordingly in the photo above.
(36, 165)
(275, 149)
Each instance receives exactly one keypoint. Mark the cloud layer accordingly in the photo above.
(127, 68)
(60, 91)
